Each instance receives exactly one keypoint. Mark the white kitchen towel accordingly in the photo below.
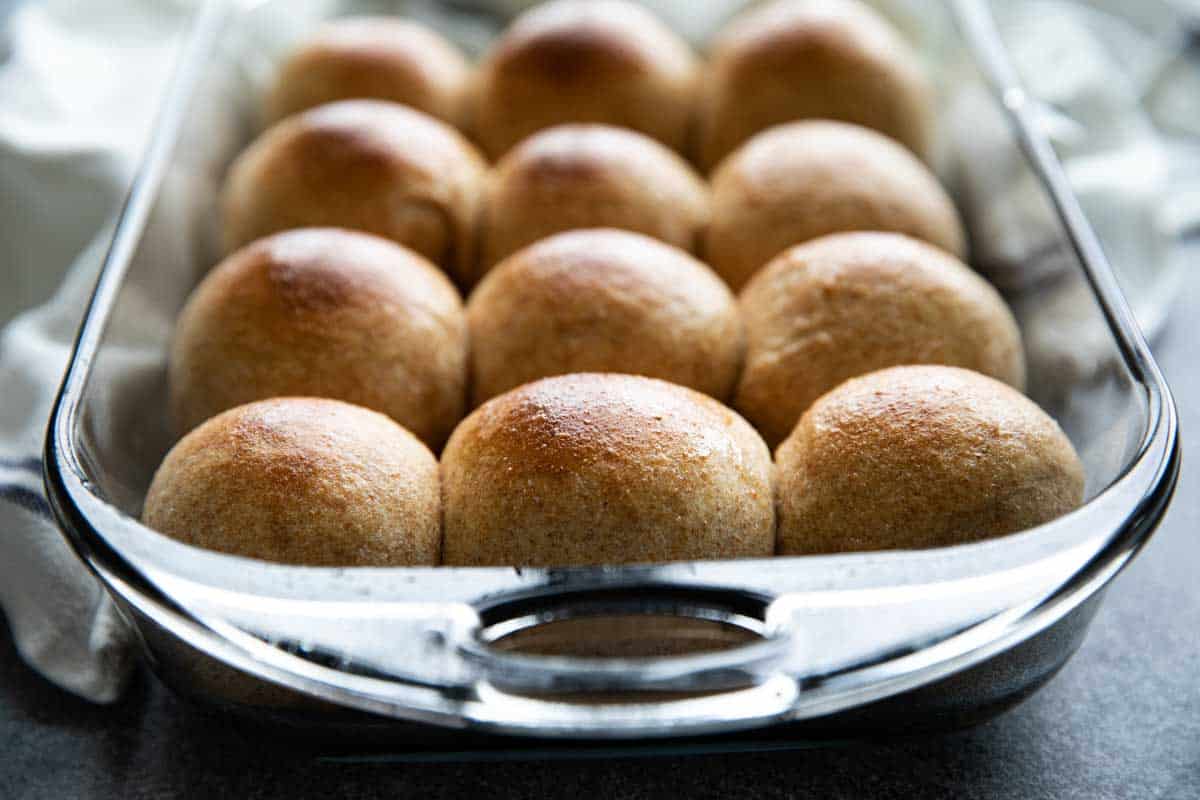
(78, 94)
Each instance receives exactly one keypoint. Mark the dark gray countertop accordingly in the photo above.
(1122, 720)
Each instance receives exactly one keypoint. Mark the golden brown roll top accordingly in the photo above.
(301, 481)
(802, 180)
(606, 61)
(381, 58)
(323, 312)
(921, 456)
(851, 303)
(797, 59)
(603, 300)
(366, 165)
(605, 469)
(590, 176)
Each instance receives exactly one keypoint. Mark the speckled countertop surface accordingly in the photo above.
(1122, 720)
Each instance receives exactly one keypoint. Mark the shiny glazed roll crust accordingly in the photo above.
(301, 481)
(807, 179)
(851, 303)
(607, 61)
(591, 176)
(605, 469)
(367, 165)
(383, 58)
(921, 456)
(323, 312)
(603, 300)
(795, 59)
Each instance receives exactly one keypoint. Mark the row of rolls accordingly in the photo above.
(635, 340)
(581, 113)
(614, 62)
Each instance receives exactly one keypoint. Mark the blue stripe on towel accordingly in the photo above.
(25, 498)
(27, 463)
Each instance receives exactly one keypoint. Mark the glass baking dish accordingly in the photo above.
(812, 647)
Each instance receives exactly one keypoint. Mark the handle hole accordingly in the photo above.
(625, 636)
(625, 622)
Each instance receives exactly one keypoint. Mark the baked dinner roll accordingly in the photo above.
(367, 165)
(852, 303)
(603, 300)
(921, 456)
(802, 180)
(323, 312)
(301, 481)
(384, 58)
(604, 469)
(798, 59)
(590, 176)
(606, 61)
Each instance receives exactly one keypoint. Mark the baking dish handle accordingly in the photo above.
(769, 701)
(461, 680)
(714, 666)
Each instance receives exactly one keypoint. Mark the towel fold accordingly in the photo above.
(78, 92)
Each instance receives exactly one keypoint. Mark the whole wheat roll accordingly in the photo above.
(381, 58)
(921, 456)
(301, 481)
(604, 469)
(323, 312)
(802, 180)
(590, 176)
(603, 300)
(606, 61)
(366, 165)
(797, 59)
(851, 303)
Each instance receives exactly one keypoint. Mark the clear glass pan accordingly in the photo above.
(860, 640)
